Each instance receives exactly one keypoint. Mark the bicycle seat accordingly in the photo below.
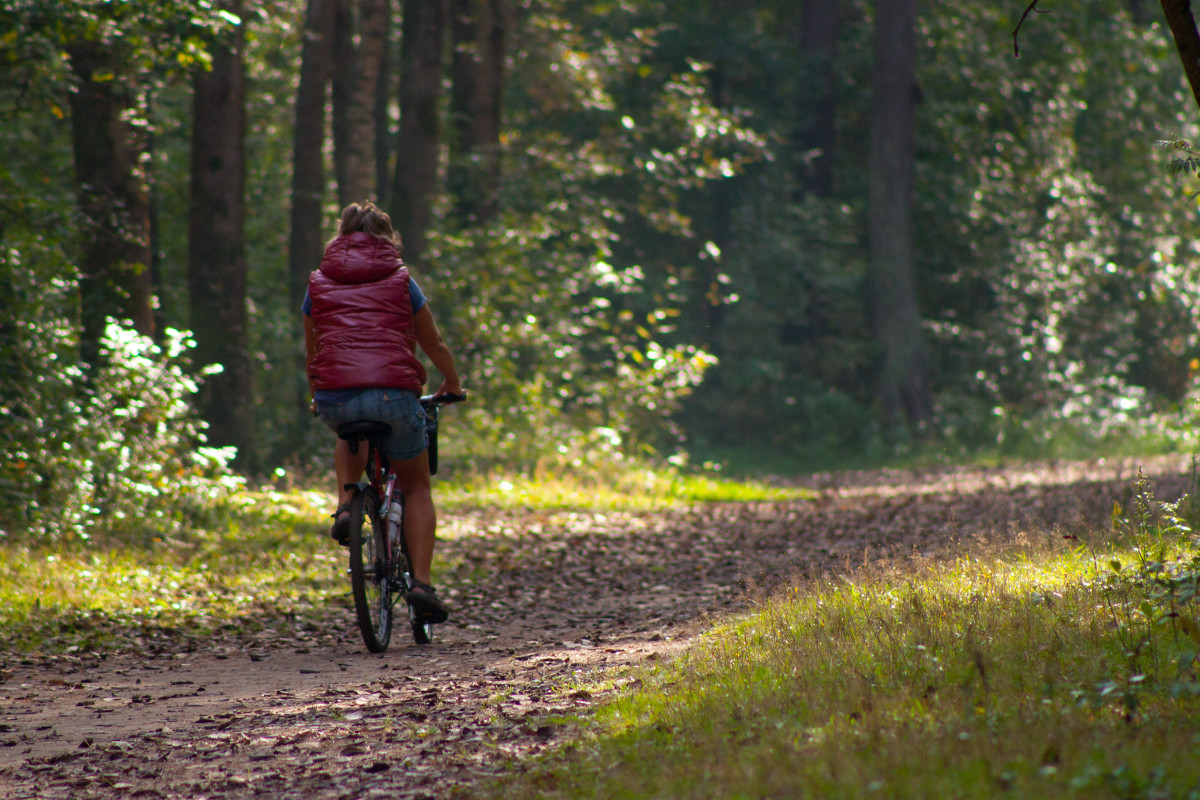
(362, 429)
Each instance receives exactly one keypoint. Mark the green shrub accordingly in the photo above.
(119, 451)
(1153, 597)
(39, 375)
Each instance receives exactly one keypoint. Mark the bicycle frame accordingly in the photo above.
(390, 570)
(383, 481)
(381, 478)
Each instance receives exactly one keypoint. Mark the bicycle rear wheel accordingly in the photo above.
(368, 572)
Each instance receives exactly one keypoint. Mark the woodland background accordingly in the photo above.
(786, 233)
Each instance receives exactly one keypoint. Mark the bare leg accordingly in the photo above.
(348, 466)
(420, 519)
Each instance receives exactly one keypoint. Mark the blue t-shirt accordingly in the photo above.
(335, 396)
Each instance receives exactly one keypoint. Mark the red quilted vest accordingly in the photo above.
(363, 317)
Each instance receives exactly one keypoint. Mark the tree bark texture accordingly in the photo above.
(308, 157)
(818, 103)
(217, 247)
(362, 28)
(115, 277)
(1187, 40)
(479, 29)
(891, 285)
(383, 103)
(415, 178)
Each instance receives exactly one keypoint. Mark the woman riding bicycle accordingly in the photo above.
(363, 317)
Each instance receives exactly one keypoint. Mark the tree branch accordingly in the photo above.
(1187, 40)
(1017, 30)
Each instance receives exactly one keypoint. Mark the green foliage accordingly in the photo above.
(1184, 161)
(794, 349)
(568, 331)
(145, 468)
(243, 569)
(38, 376)
(1059, 271)
(143, 35)
(658, 273)
(1153, 596)
(115, 451)
(988, 677)
(551, 350)
(118, 452)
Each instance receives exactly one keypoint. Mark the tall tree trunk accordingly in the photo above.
(153, 225)
(1187, 40)
(217, 246)
(383, 102)
(479, 28)
(342, 70)
(818, 45)
(308, 158)
(306, 242)
(891, 286)
(415, 179)
(115, 264)
(362, 28)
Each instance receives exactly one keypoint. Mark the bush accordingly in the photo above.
(141, 463)
(119, 451)
(38, 377)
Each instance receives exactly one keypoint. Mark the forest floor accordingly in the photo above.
(543, 604)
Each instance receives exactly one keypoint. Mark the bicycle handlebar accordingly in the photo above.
(442, 399)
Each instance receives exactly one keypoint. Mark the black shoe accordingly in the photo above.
(425, 603)
(341, 525)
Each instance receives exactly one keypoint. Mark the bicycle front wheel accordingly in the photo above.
(369, 581)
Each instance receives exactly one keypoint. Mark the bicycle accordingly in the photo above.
(379, 561)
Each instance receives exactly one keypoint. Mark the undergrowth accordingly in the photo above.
(260, 557)
(1057, 673)
(251, 556)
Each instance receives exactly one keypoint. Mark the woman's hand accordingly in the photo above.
(451, 387)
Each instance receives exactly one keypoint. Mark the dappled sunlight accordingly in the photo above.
(917, 677)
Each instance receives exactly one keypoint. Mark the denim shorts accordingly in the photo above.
(398, 408)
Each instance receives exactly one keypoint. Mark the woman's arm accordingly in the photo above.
(430, 339)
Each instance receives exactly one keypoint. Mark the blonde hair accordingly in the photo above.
(368, 218)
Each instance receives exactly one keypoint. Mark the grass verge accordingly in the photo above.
(1064, 674)
(631, 490)
(258, 559)
(263, 558)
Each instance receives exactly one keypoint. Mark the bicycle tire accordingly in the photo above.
(369, 582)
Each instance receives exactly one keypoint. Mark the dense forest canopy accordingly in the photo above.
(795, 229)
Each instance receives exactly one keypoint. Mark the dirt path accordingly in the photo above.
(541, 602)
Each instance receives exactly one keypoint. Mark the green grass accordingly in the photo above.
(1019, 677)
(263, 558)
(1059, 441)
(634, 490)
